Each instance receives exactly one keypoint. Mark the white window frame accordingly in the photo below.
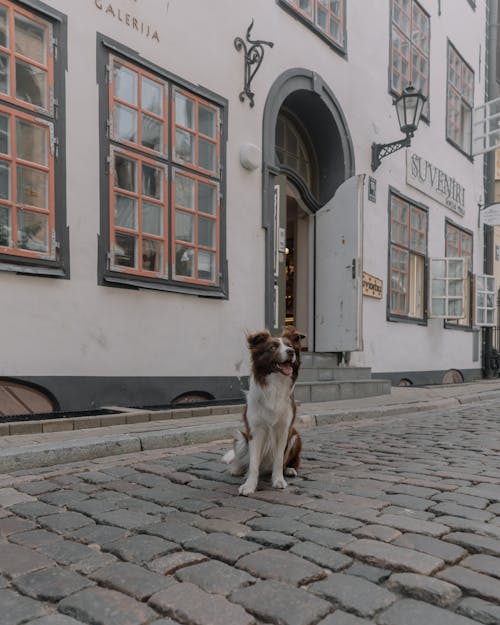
(485, 301)
(447, 278)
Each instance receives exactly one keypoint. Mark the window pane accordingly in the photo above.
(152, 255)
(206, 122)
(438, 307)
(125, 250)
(30, 39)
(152, 96)
(152, 131)
(184, 227)
(206, 155)
(206, 232)
(4, 73)
(184, 261)
(125, 212)
(152, 178)
(438, 287)
(31, 84)
(31, 142)
(125, 123)
(32, 231)
(455, 287)
(4, 135)
(32, 187)
(125, 84)
(125, 173)
(152, 218)
(5, 227)
(184, 191)
(184, 111)
(455, 308)
(4, 33)
(206, 198)
(184, 146)
(4, 181)
(206, 266)
(455, 268)
(305, 5)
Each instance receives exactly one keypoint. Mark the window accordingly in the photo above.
(459, 101)
(447, 288)
(325, 16)
(409, 54)
(29, 132)
(165, 177)
(407, 256)
(459, 245)
(485, 301)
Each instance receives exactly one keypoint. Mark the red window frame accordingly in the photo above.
(196, 213)
(12, 55)
(460, 96)
(312, 16)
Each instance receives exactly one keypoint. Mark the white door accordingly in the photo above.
(339, 270)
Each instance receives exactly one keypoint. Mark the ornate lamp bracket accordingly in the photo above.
(254, 55)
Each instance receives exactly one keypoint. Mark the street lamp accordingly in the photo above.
(409, 107)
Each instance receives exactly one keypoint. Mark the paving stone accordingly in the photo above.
(16, 609)
(322, 536)
(55, 619)
(127, 519)
(221, 525)
(94, 563)
(339, 617)
(389, 556)
(424, 588)
(378, 532)
(34, 509)
(330, 521)
(453, 509)
(275, 602)
(474, 583)
(483, 564)
(38, 487)
(468, 525)
(134, 504)
(372, 573)
(99, 534)
(165, 621)
(463, 500)
(131, 579)
(215, 577)
(175, 531)
(16, 560)
(487, 491)
(91, 507)
(412, 612)
(326, 558)
(66, 551)
(96, 477)
(407, 501)
(272, 539)
(141, 548)
(65, 521)
(474, 543)
(222, 547)
(479, 610)
(282, 566)
(35, 538)
(354, 594)
(100, 606)
(445, 551)
(406, 512)
(192, 505)
(189, 604)
(167, 565)
(230, 514)
(51, 584)
(407, 524)
(62, 497)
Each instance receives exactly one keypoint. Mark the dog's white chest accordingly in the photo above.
(270, 403)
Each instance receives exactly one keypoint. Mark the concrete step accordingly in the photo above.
(323, 374)
(316, 359)
(342, 389)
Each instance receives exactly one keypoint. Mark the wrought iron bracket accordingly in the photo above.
(254, 55)
(381, 150)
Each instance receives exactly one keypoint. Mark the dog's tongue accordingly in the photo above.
(286, 369)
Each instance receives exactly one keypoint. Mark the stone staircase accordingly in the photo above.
(322, 379)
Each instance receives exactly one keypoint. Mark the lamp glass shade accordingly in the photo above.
(409, 107)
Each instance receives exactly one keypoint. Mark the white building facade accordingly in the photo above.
(152, 212)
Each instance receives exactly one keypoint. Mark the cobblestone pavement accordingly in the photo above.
(392, 521)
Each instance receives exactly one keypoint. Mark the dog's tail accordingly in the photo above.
(228, 457)
(239, 450)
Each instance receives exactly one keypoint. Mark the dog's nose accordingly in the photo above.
(290, 352)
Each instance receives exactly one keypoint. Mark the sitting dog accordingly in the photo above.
(269, 443)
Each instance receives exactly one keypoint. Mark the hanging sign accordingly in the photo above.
(490, 216)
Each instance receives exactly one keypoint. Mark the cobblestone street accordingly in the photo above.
(393, 521)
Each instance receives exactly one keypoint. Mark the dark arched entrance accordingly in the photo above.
(294, 191)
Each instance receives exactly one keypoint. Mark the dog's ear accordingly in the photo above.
(257, 338)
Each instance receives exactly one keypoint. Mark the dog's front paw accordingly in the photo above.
(289, 472)
(247, 488)
(279, 482)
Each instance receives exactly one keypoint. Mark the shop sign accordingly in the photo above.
(372, 286)
(490, 216)
(435, 183)
(134, 22)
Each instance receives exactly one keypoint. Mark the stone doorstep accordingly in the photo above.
(122, 416)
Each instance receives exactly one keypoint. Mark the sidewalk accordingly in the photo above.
(50, 442)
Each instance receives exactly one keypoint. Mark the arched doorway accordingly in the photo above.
(307, 154)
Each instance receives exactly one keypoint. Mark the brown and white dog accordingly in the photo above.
(269, 443)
